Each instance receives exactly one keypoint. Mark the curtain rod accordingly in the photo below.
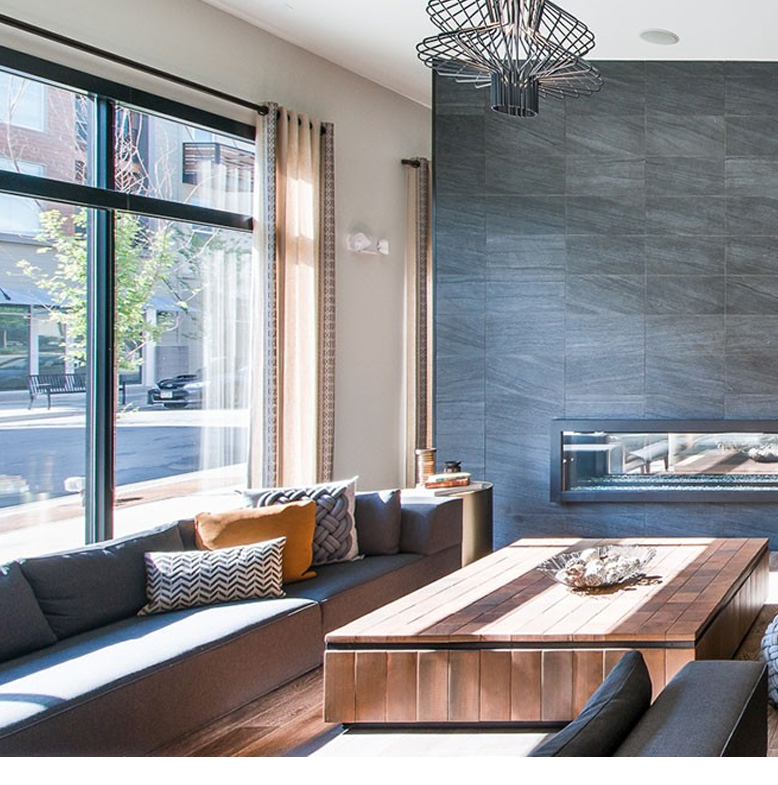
(125, 61)
(414, 162)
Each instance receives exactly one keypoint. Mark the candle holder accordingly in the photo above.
(425, 465)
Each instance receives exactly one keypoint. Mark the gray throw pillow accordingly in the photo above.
(23, 627)
(89, 587)
(608, 716)
(335, 535)
(379, 517)
(189, 579)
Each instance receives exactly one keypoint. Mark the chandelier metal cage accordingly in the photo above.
(522, 49)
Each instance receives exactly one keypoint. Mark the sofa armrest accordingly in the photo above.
(711, 708)
(431, 525)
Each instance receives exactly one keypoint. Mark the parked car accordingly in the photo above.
(178, 392)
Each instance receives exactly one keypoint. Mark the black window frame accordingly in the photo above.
(104, 201)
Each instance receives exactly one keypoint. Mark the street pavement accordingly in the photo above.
(45, 447)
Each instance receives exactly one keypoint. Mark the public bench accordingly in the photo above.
(49, 384)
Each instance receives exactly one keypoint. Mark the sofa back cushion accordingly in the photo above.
(87, 588)
(23, 627)
(379, 519)
(608, 716)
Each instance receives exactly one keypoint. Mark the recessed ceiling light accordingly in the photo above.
(661, 37)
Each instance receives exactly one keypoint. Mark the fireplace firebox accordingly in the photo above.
(664, 460)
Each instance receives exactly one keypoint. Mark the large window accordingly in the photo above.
(125, 296)
(18, 215)
(23, 102)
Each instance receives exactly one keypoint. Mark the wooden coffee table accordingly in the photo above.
(500, 642)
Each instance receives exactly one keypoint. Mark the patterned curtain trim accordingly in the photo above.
(264, 463)
(424, 307)
(326, 397)
(418, 328)
(263, 469)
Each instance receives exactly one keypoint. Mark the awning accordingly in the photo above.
(30, 296)
(33, 296)
(163, 302)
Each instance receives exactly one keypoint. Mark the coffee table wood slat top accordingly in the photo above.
(502, 597)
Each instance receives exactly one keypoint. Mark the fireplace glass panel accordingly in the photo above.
(604, 464)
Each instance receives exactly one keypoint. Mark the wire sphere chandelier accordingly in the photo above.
(521, 49)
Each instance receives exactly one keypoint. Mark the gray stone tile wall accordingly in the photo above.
(617, 256)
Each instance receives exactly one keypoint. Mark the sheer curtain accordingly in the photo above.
(226, 315)
(292, 433)
(418, 314)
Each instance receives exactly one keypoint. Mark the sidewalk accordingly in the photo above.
(58, 524)
(14, 411)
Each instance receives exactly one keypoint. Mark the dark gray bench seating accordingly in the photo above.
(710, 708)
(107, 682)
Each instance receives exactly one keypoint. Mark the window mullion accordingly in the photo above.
(101, 315)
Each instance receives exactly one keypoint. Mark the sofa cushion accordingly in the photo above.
(189, 579)
(23, 627)
(335, 579)
(295, 521)
(86, 665)
(86, 588)
(710, 708)
(608, 716)
(379, 516)
(335, 536)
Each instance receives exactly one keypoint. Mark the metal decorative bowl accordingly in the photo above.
(596, 568)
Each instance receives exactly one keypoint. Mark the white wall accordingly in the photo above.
(374, 129)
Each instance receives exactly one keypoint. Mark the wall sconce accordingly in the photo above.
(361, 243)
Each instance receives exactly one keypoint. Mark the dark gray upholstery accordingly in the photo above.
(710, 709)
(334, 579)
(23, 627)
(429, 526)
(608, 716)
(129, 685)
(378, 517)
(169, 678)
(346, 591)
(89, 587)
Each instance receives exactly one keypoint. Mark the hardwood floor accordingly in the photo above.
(288, 722)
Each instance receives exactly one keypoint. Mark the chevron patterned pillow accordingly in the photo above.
(188, 579)
(335, 535)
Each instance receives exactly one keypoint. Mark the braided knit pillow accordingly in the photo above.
(769, 655)
(335, 535)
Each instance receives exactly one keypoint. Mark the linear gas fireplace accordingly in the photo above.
(664, 460)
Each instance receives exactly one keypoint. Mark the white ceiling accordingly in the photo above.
(377, 38)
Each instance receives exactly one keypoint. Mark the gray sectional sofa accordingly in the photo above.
(82, 674)
(709, 709)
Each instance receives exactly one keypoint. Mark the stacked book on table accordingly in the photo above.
(447, 480)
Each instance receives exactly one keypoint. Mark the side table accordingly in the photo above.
(476, 515)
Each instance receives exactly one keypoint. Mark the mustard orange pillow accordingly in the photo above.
(296, 521)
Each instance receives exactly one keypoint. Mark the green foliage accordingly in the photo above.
(145, 260)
